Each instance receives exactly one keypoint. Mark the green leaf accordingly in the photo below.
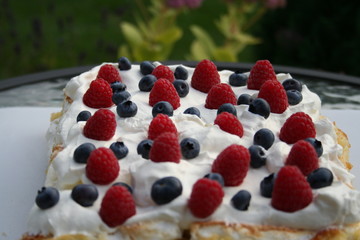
(207, 44)
(198, 52)
(170, 36)
(131, 34)
(225, 54)
(245, 38)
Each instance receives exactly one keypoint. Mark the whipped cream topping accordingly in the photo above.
(334, 205)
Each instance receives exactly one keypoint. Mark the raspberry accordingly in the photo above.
(117, 206)
(163, 71)
(233, 164)
(102, 166)
(164, 90)
(99, 95)
(261, 72)
(229, 123)
(160, 124)
(274, 93)
(109, 73)
(101, 126)
(205, 76)
(291, 190)
(304, 156)
(166, 148)
(297, 127)
(218, 95)
(205, 198)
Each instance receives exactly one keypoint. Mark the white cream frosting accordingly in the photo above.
(334, 205)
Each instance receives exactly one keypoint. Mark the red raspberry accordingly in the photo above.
(205, 76)
(109, 73)
(101, 126)
(274, 93)
(218, 95)
(166, 148)
(233, 164)
(304, 156)
(163, 71)
(229, 123)
(261, 72)
(102, 166)
(297, 127)
(291, 191)
(205, 198)
(164, 90)
(99, 95)
(117, 206)
(160, 124)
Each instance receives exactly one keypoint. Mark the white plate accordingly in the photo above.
(23, 160)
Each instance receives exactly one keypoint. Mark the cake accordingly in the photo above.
(152, 151)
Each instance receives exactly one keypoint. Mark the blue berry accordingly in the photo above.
(162, 107)
(166, 190)
(245, 99)
(126, 109)
(238, 79)
(85, 194)
(241, 200)
(144, 148)
(264, 137)
(146, 67)
(192, 111)
(260, 106)
(118, 86)
(227, 107)
(294, 97)
(120, 150)
(47, 197)
(216, 177)
(190, 148)
(257, 156)
(319, 178)
(82, 152)
(181, 73)
(292, 84)
(267, 185)
(119, 97)
(317, 145)
(83, 116)
(127, 186)
(124, 63)
(147, 82)
(182, 87)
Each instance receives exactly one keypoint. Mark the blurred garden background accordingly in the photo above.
(42, 35)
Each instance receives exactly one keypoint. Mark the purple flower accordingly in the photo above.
(272, 4)
(184, 3)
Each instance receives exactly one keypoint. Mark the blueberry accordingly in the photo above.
(238, 79)
(264, 137)
(146, 67)
(245, 99)
(192, 111)
(317, 145)
(216, 177)
(182, 88)
(260, 106)
(85, 194)
(119, 97)
(319, 178)
(118, 86)
(163, 107)
(241, 200)
(257, 156)
(165, 190)
(181, 73)
(82, 152)
(83, 116)
(267, 185)
(227, 107)
(144, 148)
(147, 82)
(190, 148)
(47, 197)
(126, 109)
(292, 84)
(124, 63)
(127, 186)
(294, 97)
(120, 150)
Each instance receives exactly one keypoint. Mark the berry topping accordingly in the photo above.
(264, 137)
(245, 99)
(144, 148)
(292, 84)
(101, 126)
(297, 127)
(227, 107)
(118, 87)
(120, 149)
(316, 144)
(117, 206)
(260, 106)
(241, 200)
(190, 148)
(261, 72)
(294, 97)
(229, 123)
(85, 194)
(192, 111)
(102, 166)
(181, 73)
(238, 79)
(163, 71)
(166, 148)
(182, 87)
(146, 67)
(124, 63)
(82, 152)
(165, 190)
(274, 93)
(109, 73)
(119, 97)
(216, 177)
(257, 156)
(83, 116)
(218, 95)
(233, 164)
(160, 124)
(126, 109)
(162, 107)
(205, 198)
(267, 185)
(99, 94)
(291, 190)
(147, 82)
(319, 178)
(205, 76)
(47, 197)
(163, 90)
(127, 186)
